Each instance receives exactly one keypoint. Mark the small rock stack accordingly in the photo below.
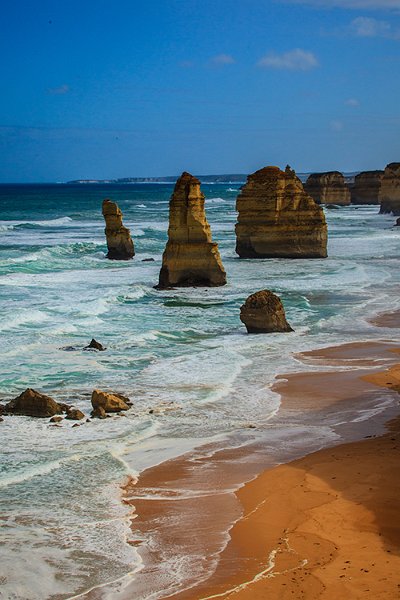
(328, 188)
(119, 241)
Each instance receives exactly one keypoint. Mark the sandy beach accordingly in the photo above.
(323, 526)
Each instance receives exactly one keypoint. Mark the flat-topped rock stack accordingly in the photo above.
(119, 241)
(389, 194)
(366, 187)
(277, 219)
(190, 257)
(328, 188)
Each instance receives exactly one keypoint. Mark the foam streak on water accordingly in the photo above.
(183, 354)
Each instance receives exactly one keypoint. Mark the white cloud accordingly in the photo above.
(58, 91)
(352, 102)
(223, 59)
(370, 4)
(295, 60)
(369, 27)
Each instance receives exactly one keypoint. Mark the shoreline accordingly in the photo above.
(211, 483)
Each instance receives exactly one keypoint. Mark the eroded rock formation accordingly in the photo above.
(365, 189)
(190, 257)
(108, 402)
(389, 194)
(34, 404)
(263, 312)
(328, 188)
(119, 241)
(278, 219)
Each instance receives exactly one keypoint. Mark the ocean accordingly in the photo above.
(182, 356)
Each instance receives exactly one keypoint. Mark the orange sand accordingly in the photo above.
(325, 527)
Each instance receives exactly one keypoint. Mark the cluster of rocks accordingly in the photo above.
(32, 403)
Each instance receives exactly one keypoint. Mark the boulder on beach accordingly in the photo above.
(98, 413)
(34, 404)
(366, 187)
(389, 193)
(119, 241)
(109, 402)
(190, 257)
(277, 219)
(328, 188)
(263, 312)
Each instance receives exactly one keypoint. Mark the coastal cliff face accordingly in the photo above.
(190, 257)
(278, 219)
(366, 187)
(119, 241)
(328, 188)
(389, 194)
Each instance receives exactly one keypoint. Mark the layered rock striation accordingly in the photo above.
(119, 241)
(389, 194)
(263, 312)
(277, 219)
(190, 257)
(366, 187)
(328, 188)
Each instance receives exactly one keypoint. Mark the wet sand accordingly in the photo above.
(296, 524)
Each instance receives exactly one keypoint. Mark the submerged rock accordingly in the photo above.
(190, 257)
(119, 241)
(263, 312)
(278, 219)
(366, 187)
(328, 188)
(109, 402)
(33, 404)
(95, 345)
(389, 194)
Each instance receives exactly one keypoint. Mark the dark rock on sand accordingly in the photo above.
(33, 404)
(263, 312)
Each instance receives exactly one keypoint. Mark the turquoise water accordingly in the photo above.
(183, 354)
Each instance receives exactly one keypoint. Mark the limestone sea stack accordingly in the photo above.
(119, 241)
(263, 312)
(328, 188)
(366, 187)
(389, 194)
(190, 257)
(277, 219)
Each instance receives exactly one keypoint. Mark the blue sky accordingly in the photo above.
(101, 89)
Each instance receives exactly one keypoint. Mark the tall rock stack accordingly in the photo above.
(389, 194)
(328, 188)
(190, 257)
(277, 219)
(366, 187)
(119, 241)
